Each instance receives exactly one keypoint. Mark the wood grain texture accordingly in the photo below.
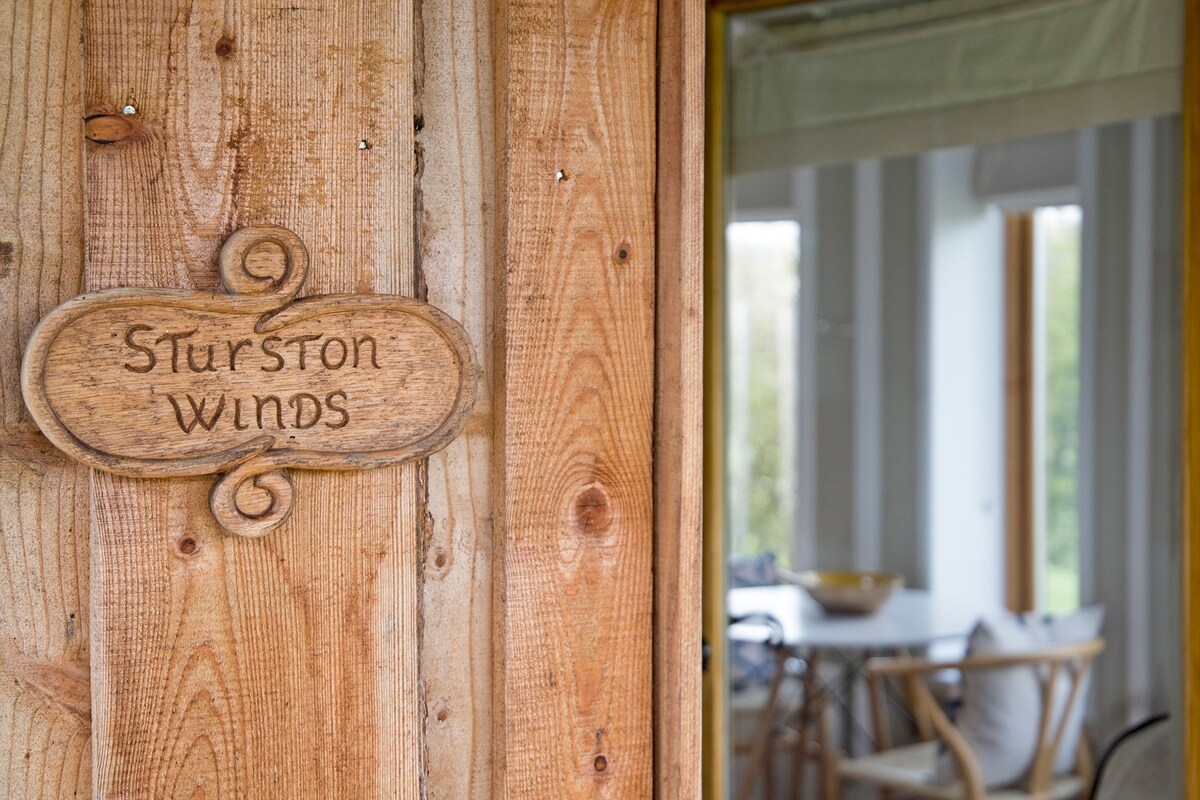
(45, 748)
(457, 257)
(577, 108)
(283, 667)
(679, 399)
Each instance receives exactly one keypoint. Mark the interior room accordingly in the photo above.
(950, 289)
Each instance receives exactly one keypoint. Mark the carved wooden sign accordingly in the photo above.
(248, 381)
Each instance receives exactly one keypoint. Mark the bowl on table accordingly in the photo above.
(850, 592)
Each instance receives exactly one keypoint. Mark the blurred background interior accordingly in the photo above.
(951, 344)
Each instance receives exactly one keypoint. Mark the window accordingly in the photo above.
(763, 285)
(1042, 418)
(1056, 260)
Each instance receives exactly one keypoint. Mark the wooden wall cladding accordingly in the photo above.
(457, 234)
(679, 400)
(285, 666)
(577, 412)
(483, 623)
(45, 737)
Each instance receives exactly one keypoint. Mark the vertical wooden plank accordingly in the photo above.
(577, 136)
(287, 666)
(1020, 568)
(456, 137)
(679, 399)
(45, 749)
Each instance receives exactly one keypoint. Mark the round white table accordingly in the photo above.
(911, 618)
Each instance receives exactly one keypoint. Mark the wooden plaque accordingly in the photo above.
(248, 381)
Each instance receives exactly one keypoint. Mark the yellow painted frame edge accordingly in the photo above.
(713, 747)
(1190, 383)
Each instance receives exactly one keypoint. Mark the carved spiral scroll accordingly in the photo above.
(259, 480)
(240, 277)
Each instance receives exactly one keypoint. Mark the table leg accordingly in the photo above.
(807, 707)
(879, 721)
(849, 670)
(829, 759)
(755, 758)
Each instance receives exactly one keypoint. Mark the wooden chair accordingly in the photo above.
(910, 770)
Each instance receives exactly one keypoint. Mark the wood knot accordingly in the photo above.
(225, 47)
(111, 128)
(622, 253)
(187, 546)
(592, 510)
(601, 763)
(66, 685)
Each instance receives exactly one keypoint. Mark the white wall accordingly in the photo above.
(966, 385)
(1129, 428)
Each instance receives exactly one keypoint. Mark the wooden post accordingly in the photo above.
(287, 666)
(456, 226)
(679, 400)
(44, 689)
(577, 136)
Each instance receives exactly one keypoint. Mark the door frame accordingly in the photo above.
(1190, 407)
(714, 744)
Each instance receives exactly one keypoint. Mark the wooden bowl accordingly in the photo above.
(846, 592)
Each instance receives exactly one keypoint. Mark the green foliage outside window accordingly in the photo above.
(1062, 232)
(762, 284)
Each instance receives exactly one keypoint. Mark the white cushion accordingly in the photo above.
(1082, 626)
(1001, 708)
